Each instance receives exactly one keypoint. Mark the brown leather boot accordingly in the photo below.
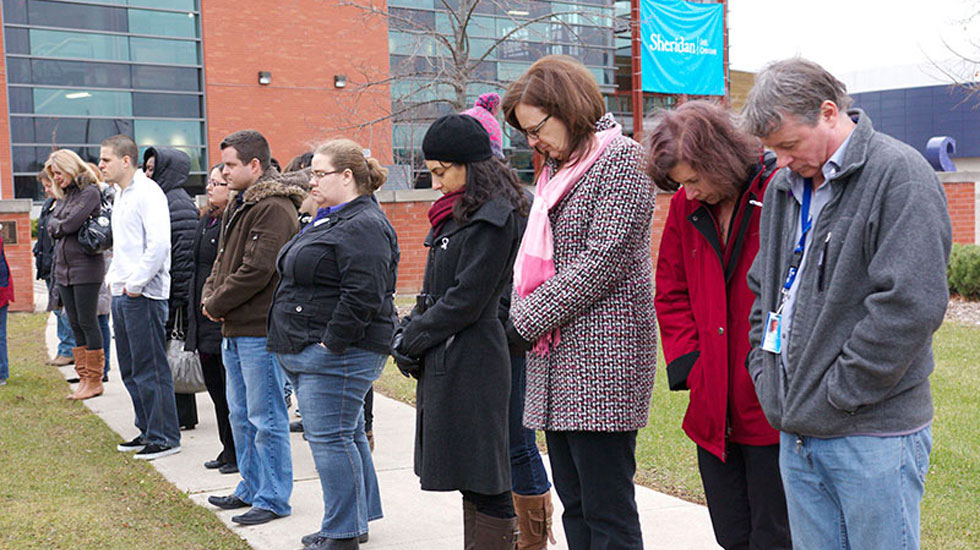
(80, 369)
(495, 533)
(534, 520)
(94, 363)
(469, 525)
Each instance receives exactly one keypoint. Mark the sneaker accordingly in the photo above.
(135, 444)
(3, 382)
(62, 361)
(153, 451)
(311, 539)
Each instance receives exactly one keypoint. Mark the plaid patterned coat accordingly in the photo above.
(600, 375)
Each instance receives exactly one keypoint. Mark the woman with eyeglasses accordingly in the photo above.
(203, 334)
(330, 325)
(583, 299)
(454, 342)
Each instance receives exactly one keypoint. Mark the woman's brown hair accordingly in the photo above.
(703, 135)
(563, 88)
(345, 154)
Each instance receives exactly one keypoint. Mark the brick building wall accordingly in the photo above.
(303, 43)
(6, 168)
(961, 197)
(19, 255)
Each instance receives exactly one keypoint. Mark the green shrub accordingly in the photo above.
(34, 228)
(964, 270)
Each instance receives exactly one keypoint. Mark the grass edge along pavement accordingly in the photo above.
(667, 462)
(62, 482)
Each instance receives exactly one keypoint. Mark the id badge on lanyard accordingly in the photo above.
(772, 340)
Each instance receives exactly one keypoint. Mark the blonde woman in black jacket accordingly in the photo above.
(77, 274)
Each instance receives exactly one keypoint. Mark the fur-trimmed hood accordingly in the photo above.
(272, 184)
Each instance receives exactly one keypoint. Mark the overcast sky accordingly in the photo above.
(855, 36)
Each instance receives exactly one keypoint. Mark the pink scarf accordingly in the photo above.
(535, 261)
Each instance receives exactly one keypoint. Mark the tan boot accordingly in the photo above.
(469, 525)
(495, 533)
(534, 520)
(94, 363)
(79, 355)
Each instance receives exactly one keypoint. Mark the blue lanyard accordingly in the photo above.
(806, 223)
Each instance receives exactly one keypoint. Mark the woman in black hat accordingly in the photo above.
(453, 341)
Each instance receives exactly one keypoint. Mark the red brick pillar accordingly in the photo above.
(15, 225)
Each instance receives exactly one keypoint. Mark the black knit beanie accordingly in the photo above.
(457, 138)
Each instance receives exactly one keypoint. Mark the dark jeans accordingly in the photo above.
(527, 473)
(745, 497)
(214, 379)
(144, 368)
(82, 306)
(593, 476)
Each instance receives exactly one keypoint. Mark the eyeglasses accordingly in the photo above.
(532, 133)
(320, 174)
(216, 183)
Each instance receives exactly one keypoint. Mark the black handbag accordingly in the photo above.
(95, 236)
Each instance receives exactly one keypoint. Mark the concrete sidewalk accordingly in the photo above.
(413, 519)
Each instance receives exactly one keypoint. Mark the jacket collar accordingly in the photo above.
(495, 211)
(856, 154)
(269, 185)
(353, 208)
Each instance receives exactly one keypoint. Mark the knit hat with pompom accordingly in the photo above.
(485, 112)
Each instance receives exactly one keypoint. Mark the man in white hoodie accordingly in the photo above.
(139, 280)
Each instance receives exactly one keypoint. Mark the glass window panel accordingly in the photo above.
(14, 11)
(508, 71)
(147, 77)
(30, 159)
(167, 105)
(82, 102)
(16, 40)
(77, 16)
(424, 4)
(481, 26)
(27, 187)
(79, 130)
(411, 19)
(155, 50)
(21, 130)
(18, 70)
(174, 133)
(80, 73)
(21, 100)
(79, 45)
(188, 5)
(183, 25)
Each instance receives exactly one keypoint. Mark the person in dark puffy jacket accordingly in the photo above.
(77, 274)
(170, 170)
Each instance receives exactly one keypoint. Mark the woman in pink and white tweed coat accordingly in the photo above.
(583, 299)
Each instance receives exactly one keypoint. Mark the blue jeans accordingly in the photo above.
(106, 341)
(332, 388)
(66, 338)
(259, 423)
(856, 491)
(4, 363)
(528, 476)
(144, 368)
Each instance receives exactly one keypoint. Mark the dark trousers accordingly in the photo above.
(143, 366)
(369, 410)
(593, 476)
(214, 379)
(497, 506)
(745, 497)
(186, 410)
(82, 306)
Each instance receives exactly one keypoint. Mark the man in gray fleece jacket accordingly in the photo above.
(850, 285)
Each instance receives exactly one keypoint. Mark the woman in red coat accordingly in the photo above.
(703, 301)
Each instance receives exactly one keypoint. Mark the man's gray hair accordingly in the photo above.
(795, 87)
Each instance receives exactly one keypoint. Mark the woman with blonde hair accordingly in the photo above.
(77, 274)
(330, 324)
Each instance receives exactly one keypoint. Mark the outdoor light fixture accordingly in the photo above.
(518, 13)
(265, 78)
(339, 81)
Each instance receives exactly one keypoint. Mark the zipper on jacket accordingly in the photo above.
(821, 263)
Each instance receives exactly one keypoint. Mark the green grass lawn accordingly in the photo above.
(62, 482)
(667, 461)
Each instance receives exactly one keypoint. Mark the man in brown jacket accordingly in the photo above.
(260, 219)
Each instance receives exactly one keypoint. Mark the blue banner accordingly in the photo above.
(683, 47)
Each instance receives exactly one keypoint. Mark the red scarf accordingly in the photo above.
(442, 209)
